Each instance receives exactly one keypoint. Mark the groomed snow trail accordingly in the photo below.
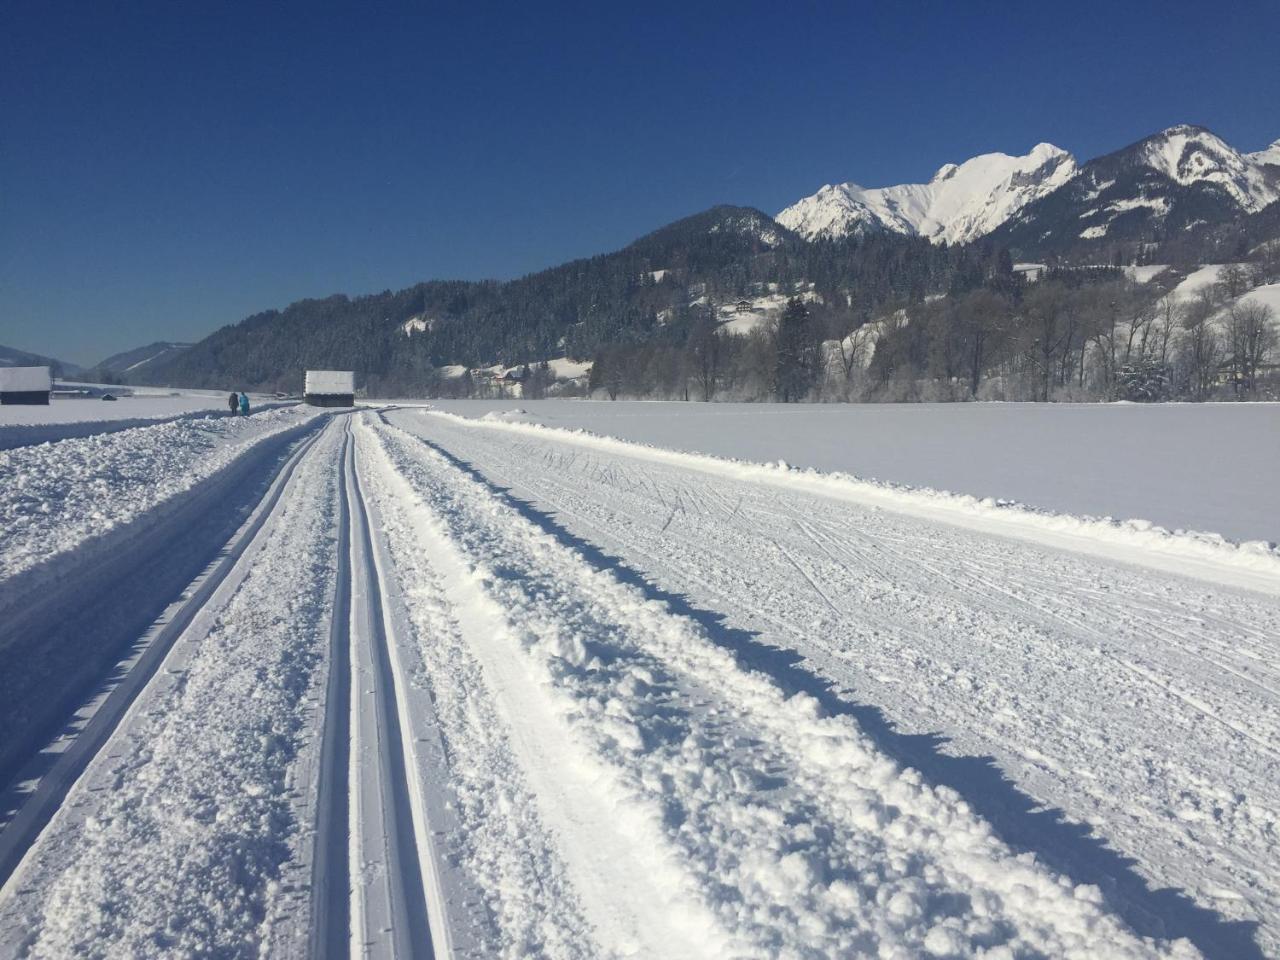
(1144, 705)
(389, 900)
(697, 808)
(27, 804)
(410, 715)
(190, 831)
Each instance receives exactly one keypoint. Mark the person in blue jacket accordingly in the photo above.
(244, 404)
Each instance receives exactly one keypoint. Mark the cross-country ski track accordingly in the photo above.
(442, 687)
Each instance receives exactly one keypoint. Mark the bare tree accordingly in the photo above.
(982, 317)
(1044, 331)
(1201, 350)
(1251, 332)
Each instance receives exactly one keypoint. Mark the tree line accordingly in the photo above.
(1073, 335)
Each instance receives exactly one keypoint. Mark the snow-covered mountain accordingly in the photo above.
(1173, 180)
(9, 357)
(1267, 157)
(961, 203)
(1155, 190)
(1193, 155)
(133, 361)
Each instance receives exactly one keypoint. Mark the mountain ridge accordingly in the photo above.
(1186, 165)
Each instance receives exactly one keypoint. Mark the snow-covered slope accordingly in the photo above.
(961, 203)
(1190, 155)
(133, 361)
(1267, 157)
(1174, 181)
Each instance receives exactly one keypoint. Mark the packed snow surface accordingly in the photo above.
(716, 813)
(1077, 674)
(579, 697)
(1203, 467)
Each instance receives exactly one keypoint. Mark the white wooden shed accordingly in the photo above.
(25, 385)
(330, 388)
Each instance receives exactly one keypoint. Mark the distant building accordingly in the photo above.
(742, 306)
(330, 388)
(25, 385)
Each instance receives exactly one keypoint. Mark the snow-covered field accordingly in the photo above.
(143, 407)
(401, 683)
(1205, 467)
(65, 418)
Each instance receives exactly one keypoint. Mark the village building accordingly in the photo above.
(330, 388)
(30, 385)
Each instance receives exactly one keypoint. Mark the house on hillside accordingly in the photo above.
(330, 388)
(30, 385)
(742, 306)
(511, 383)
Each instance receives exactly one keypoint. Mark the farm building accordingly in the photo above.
(25, 385)
(330, 388)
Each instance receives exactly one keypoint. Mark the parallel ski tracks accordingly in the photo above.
(369, 895)
(61, 764)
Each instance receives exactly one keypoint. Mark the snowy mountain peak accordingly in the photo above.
(1190, 154)
(1267, 157)
(961, 203)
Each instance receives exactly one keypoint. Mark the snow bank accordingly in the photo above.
(22, 426)
(722, 817)
(197, 844)
(1257, 558)
(56, 496)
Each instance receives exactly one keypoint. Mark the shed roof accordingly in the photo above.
(325, 382)
(25, 379)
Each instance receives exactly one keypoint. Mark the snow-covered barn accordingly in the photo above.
(330, 388)
(25, 385)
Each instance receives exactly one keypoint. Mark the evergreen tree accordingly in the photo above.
(799, 351)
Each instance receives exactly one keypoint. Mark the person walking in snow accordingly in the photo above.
(233, 402)
(244, 404)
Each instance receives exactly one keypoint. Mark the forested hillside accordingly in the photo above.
(648, 292)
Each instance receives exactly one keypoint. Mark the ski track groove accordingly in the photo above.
(389, 872)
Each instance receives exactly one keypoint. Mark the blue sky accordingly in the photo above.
(166, 168)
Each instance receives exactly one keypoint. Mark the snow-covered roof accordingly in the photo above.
(25, 379)
(325, 382)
